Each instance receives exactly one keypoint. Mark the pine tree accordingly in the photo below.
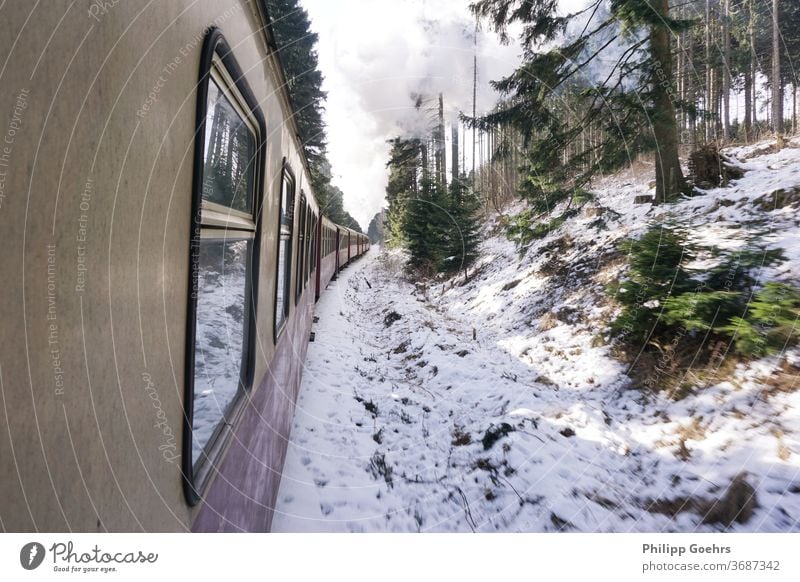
(463, 232)
(297, 51)
(298, 54)
(438, 225)
(633, 101)
(427, 229)
(405, 157)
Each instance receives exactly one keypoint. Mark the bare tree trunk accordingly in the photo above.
(691, 96)
(425, 166)
(726, 73)
(474, 98)
(464, 150)
(777, 93)
(669, 177)
(753, 64)
(454, 132)
(748, 104)
(441, 157)
(708, 100)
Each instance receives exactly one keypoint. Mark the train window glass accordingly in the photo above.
(229, 166)
(309, 238)
(227, 229)
(313, 245)
(220, 333)
(301, 248)
(314, 241)
(284, 251)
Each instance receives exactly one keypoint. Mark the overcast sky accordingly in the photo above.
(375, 54)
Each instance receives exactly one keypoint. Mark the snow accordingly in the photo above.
(219, 339)
(410, 424)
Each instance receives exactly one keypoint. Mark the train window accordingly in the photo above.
(301, 248)
(314, 241)
(309, 242)
(284, 250)
(228, 227)
(229, 171)
(229, 161)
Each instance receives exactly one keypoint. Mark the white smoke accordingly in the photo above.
(377, 56)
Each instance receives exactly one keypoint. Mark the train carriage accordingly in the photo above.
(326, 258)
(343, 245)
(168, 249)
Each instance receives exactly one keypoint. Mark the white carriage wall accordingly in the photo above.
(99, 108)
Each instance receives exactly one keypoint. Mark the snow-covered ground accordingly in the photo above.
(496, 405)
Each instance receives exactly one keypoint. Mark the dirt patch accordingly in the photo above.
(786, 378)
(460, 437)
(736, 505)
(391, 317)
(778, 199)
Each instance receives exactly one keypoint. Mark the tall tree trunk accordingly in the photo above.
(777, 93)
(441, 164)
(726, 73)
(474, 97)
(669, 177)
(454, 164)
(748, 103)
(691, 94)
(425, 168)
(464, 150)
(751, 29)
(708, 100)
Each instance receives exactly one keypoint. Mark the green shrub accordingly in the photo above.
(665, 298)
(523, 229)
(698, 311)
(656, 271)
(770, 323)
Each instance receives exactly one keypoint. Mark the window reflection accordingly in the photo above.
(220, 334)
(228, 171)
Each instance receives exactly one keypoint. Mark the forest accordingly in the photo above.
(599, 88)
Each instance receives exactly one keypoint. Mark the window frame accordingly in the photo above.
(312, 230)
(314, 253)
(302, 235)
(218, 65)
(287, 175)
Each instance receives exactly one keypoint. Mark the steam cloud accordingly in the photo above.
(376, 57)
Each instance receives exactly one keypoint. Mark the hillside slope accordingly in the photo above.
(497, 405)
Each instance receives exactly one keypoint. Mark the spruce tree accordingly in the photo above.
(297, 51)
(404, 167)
(427, 229)
(632, 99)
(463, 234)
(298, 54)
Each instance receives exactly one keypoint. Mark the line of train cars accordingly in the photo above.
(163, 251)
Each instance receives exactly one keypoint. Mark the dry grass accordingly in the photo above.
(737, 504)
(679, 369)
